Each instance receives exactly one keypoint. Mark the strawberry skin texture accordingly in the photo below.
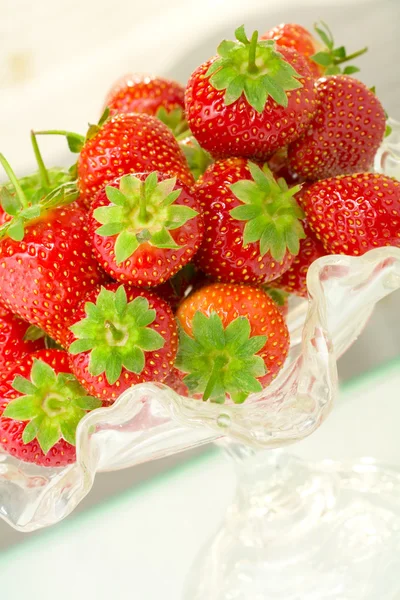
(12, 344)
(292, 35)
(158, 363)
(45, 275)
(222, 254)
(132, 143)
(345, 133)
(354, 213)
(145, 94)
(11, 431)
(294, 280)
(238, 129)
(230, 301)
(149, 266)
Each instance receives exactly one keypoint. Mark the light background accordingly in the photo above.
(58, 58)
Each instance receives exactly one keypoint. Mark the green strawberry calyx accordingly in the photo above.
(272, 215)
(220, 361)
(331, 58)
(142, 212)
(278, 296)
(25, 200)
(254, 68)
(116, 333)
(52, 404)
(174, 119)
(197, 158)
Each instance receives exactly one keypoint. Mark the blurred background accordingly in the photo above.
(59, 57)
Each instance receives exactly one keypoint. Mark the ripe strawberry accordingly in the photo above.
(17, 338)
(233, 341)
(252, 223)
(41, 404)
(121, 336)
(354, 213)
(322, 58)
(251, 99)
(294, 280)
(151, 95)
(122, 144)
(46, 260)
(151, 226)
(345, 133)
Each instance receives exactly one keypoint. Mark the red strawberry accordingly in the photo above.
(144, 94)
(251, 99)
(151, 95)
(46, 261)
(294, 280)
(233, 341)
(145, 227)
(322, 58)
(252, 226)
(16, 339)
(298, 38)
(41, 404)
(354, 213)
(345, 133)
(121, 336)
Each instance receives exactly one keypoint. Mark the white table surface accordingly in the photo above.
(141, 545)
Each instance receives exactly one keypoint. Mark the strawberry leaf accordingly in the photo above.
(115, 332)
(272, 215)
(255, 69)
(220, 360)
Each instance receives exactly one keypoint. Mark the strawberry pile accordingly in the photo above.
(168, 251)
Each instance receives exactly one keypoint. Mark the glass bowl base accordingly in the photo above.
(334, 534)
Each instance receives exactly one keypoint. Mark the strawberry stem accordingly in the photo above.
(351, 56)
(252, 53)
(143, 214)
(44, 176)
(12, 177)
(219, 363)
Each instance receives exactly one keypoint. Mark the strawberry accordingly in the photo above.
(279, 165)
(17, 338)
(352, 214)
(251, 99)
(46, 260)
(122, 144)
(233, 341)
(252, 222)
(41, 404)
(151, 95)
(145, 227)
(322, 58)
(345, 133)
(294, 280)
(121, 336)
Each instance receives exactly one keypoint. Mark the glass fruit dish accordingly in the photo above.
(280, 500)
